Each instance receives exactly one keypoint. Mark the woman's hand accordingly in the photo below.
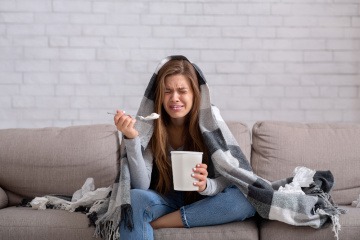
(125, 124)
(200, 173)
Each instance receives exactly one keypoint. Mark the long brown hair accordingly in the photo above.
(192, 134)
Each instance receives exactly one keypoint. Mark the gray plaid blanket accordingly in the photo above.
(314, 209)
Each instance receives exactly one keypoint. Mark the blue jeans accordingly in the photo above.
(228, 206)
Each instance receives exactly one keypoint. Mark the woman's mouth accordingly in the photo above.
(176, 107)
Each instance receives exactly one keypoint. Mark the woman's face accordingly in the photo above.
(178, 97)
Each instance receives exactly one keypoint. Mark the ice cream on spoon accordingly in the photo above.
(152, 116)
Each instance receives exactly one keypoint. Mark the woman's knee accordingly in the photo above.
(134, 193)
(240, 204)
(141, 198)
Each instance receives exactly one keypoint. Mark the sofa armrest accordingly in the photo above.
(3, 199)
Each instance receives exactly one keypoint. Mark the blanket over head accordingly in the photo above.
(311, 209)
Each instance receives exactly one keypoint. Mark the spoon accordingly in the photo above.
(152, 116)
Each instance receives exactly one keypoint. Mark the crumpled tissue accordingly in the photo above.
(303, 177)
(356, 203)
(85, 197)
(39, 203)
(88, 186)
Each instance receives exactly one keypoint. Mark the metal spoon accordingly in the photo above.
(152, 116)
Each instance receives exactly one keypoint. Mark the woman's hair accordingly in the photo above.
(192, 133)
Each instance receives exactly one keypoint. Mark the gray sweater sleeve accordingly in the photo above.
(140, 164)
(215, 185)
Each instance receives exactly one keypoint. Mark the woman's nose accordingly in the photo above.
(174, 97)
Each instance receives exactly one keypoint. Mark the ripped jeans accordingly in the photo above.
(229, 205)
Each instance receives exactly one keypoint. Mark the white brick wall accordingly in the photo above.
(65, 62)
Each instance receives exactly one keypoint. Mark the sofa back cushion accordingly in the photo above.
(279, 147)
(242, 135)
(36, 162)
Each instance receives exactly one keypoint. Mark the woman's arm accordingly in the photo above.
(215, 185)
(209, 186)
(140, 165)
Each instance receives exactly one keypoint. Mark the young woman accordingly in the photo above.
(177, 99)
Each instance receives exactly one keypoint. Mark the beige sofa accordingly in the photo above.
(36, 162)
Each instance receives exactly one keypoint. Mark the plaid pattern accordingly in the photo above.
(313, 209)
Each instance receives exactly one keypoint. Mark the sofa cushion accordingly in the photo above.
(242, 135)
(36, 162)
(26, 223)
(279, 147)
(246, 230)
(350, 229)
(3, 198)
